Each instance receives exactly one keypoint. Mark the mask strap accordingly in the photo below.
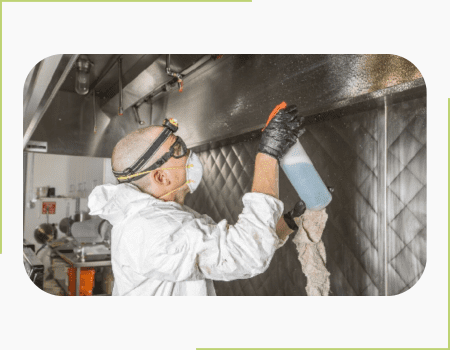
(187, 182)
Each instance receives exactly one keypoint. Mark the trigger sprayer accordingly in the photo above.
(300, 171)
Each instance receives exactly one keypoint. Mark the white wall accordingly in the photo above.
(62, 173)
(65, 173)
(49, 170)
(108, 176)
(84, 171)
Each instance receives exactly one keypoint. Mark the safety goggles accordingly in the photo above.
(177, 150)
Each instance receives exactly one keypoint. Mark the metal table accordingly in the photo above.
(74, 261)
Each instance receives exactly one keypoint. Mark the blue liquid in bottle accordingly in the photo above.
(305, 179)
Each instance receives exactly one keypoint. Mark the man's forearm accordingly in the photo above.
(283, 229)
(265, 179)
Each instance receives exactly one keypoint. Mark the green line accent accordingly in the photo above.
(129, 1)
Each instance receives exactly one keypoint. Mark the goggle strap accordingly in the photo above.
(137, 176)
(151, 150)
(130, 177)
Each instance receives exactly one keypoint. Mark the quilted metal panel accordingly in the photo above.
(406, 194)
(228, 175)
(345, 153)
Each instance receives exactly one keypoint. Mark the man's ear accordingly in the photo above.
(160, 177)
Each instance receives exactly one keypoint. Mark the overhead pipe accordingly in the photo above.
(151, 114)
(185, 73)
(95, 113)
(136, 115)
(119, 61)
(188, 71)
(174, 74)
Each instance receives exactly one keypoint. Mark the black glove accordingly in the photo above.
(298, 211)
(281, 133)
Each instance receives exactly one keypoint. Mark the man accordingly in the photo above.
(159, 246)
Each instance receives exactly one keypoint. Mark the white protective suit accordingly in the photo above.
(164, 248)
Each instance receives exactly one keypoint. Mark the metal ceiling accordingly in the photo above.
(221, 97)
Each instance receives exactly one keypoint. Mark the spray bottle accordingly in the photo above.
(303, 176)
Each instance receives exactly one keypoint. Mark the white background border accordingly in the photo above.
(33, 31)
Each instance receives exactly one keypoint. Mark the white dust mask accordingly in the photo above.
(194, 171)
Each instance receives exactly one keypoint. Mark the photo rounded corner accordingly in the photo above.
(415, 283)
(414, 65)
(28, 76)
(42, 290)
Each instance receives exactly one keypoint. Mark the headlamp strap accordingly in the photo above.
(151, 150)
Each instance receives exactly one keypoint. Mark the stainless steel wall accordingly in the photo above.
(406, 194)
(228, 174)
(373, 247)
